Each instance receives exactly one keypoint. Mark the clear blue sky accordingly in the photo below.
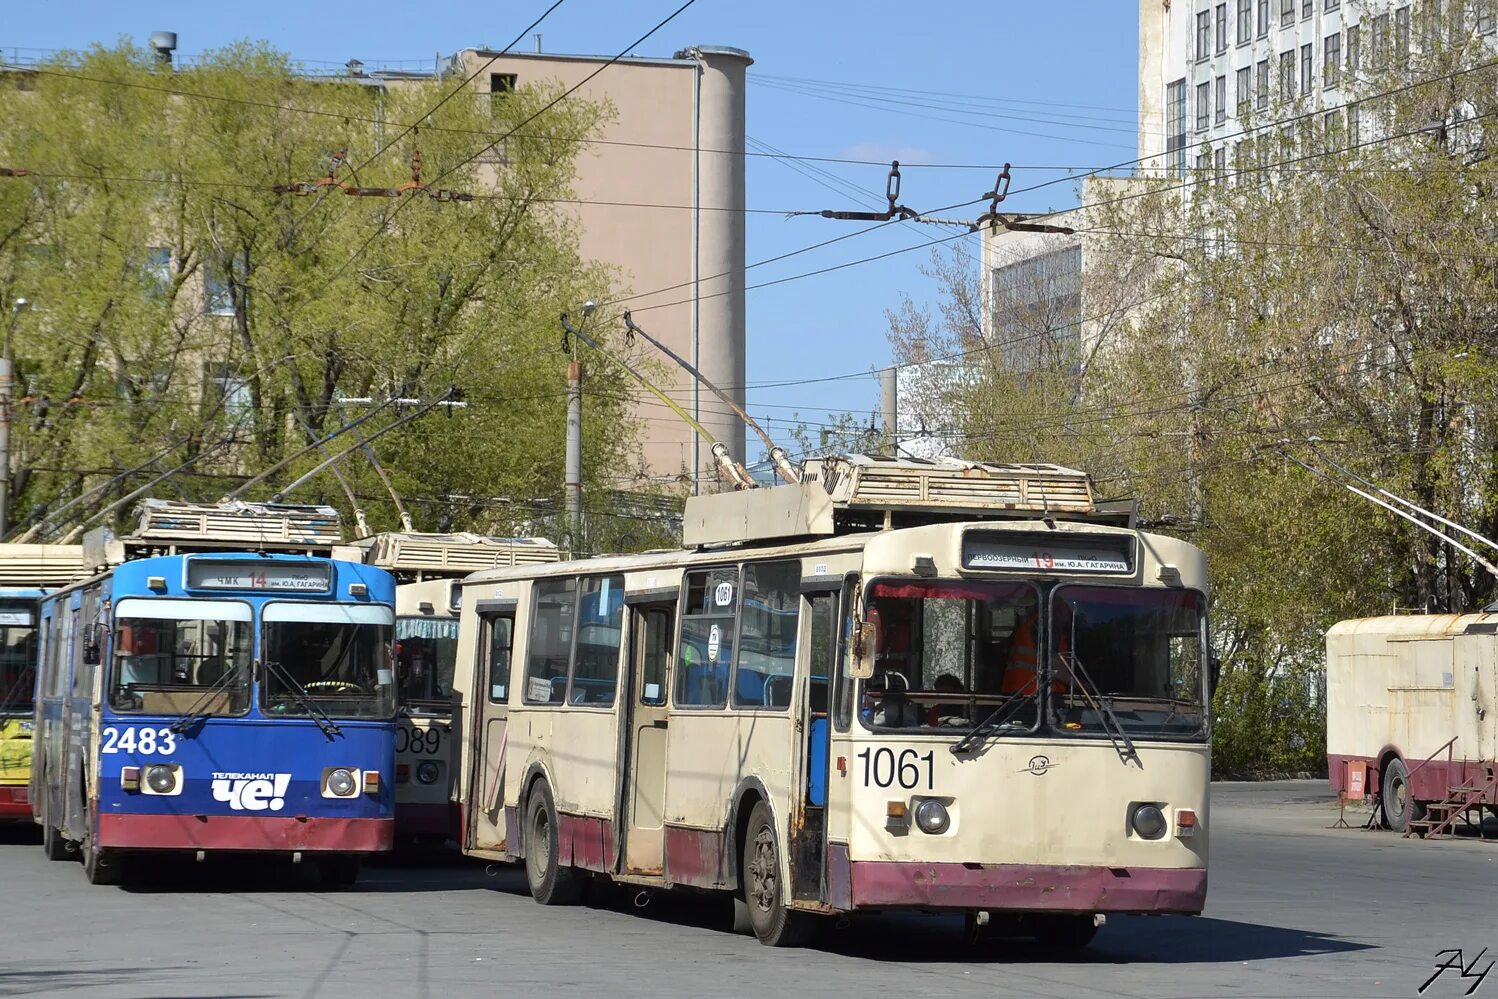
(1069, 66)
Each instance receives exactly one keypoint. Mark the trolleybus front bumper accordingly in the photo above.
(1022, 887)
(261, 833)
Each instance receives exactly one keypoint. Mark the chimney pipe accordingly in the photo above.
(538, 41)
(165, 43)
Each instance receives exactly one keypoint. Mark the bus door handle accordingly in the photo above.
(658, 723)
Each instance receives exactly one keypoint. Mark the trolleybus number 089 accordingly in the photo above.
(882, 768)
(409, 739)
(145, 741)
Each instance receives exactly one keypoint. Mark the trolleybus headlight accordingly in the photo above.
(161, 779)
(932, 817)
(340, 782)
(1149, 822)
(427, 772)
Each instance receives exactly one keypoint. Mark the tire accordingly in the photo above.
(550, 882)
(1065, 932)
(103, 867)
(1398, 805)
(54, 846)
(338, 872)
(762, 886)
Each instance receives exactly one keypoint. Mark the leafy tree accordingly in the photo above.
(187, 312)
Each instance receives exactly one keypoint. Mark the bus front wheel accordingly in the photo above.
(551, 882)
(764, 890)
(102, 867)
(1065, 932)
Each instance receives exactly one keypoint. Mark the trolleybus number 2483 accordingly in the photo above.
(145, 741)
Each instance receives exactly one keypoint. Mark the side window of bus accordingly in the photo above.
(501, 645)
(708, 616)
(550, 645)
(655, 650)
(842, 715)
(600, 624)
(822, 656)
(768, 622)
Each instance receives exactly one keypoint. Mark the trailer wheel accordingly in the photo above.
(1396, 802)
(551, 882)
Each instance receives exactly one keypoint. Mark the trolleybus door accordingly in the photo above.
(486, 803)
(808, 840)
(652, 628)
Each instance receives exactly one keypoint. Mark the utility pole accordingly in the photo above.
(6, 378)
(574, 482)
(889, 404)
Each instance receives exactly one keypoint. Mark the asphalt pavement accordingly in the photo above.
(1294, 908)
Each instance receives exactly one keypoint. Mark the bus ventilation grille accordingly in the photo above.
(249, 524)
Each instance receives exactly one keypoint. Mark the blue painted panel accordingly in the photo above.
(816, 761)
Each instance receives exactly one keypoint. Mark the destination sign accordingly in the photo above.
(15, 618)
(286, 577)
(1048, 553)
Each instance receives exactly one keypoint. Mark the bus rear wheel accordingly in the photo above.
(764, 890)
(1065, 932)
(53, 845)
(551, 882)
(338, 872)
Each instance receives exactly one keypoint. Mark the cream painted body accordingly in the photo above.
(424, 736)
(1073, 811)
(1411, 683)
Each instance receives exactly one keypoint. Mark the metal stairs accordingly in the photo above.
(1473, 793)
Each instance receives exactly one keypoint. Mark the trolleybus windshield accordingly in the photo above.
(1136, 652)
(17, 657)
(180, 656)
(426, 653)
(333, 659)
(948, 654)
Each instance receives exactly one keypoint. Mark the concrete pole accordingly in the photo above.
(5, 385)
(889, 404)
(574, 489)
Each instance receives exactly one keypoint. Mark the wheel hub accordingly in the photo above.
(763, 871)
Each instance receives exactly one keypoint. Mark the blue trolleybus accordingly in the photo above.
(218, 702)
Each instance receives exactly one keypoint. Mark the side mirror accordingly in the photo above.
(1214, 673)
(91, 652)
(861, 651)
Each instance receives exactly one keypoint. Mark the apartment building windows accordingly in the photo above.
(1287, 12)
(1203, 161)
(1331, 58)
(1221, 102)
(1307, 77)
(1220, 162)
(1402, 36)
(1261, 100)
(1378, 44)
(218, 296)
(1245, 91)
(1307, 8)
(1287, 75)
(1203, 106)
(1203, 34)
(1354, 126)
(1354, 38)
(1263, 18)
(1485, 20)
(1175, 139)
(1332, 124)
(1332, 5)
(1222, 27)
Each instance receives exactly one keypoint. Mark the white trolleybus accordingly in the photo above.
(892, 685)
(427, 568)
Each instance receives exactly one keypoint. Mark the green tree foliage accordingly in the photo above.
(1328, 300)
(185, 311)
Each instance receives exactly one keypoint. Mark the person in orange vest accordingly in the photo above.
(1024, 658)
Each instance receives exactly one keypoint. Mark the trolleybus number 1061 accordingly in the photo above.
(415, 740)
(145, 741)
(882, 768)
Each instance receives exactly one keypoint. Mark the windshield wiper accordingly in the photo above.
(1099, 702)
(199, 708)
(996, 719)
(298, 694)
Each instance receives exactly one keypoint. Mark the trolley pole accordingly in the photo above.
(889, 403)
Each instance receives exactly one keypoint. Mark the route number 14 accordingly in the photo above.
(882, 768)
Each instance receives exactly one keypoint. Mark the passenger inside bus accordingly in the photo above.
(162, 666)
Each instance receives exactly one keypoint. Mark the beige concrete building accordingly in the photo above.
(677, 139)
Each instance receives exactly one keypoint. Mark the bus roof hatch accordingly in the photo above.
(448, 555)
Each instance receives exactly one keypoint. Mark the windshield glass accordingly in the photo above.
(328, 658)
(948, 654)
(426, 654)
(1136, 652)
(17, 657)
(172, 666)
